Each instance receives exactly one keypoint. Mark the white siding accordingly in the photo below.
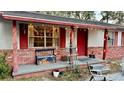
(6, 34)
(95, 38)
(119, 38)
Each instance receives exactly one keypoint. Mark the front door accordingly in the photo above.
(82, 39)
(23, 36)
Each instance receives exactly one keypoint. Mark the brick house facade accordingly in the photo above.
(85, 36)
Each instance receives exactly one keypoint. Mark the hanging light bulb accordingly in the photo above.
(24, 31)
(66, 28)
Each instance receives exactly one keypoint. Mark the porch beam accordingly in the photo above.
(14, 43)
(105, 43)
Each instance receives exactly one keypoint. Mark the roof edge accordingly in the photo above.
(19, 18)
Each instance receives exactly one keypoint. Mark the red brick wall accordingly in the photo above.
(61, 52)
(113, 52)
(24, 56)
(97, 50)
(27, 56)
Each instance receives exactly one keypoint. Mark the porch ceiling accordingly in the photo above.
(38, 17)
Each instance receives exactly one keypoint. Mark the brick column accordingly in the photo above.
(105, 44)
(14, 43)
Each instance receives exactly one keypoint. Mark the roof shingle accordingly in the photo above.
(61, 19)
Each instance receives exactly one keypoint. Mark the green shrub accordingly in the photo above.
(71, 75)
(5, 70)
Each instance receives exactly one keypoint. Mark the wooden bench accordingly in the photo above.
(45, 58)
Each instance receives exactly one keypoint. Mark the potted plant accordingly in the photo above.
(64, 58)
(92, 55)
(56, 73)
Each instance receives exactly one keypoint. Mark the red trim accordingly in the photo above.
(122, 38)
(62, 37)
(105, 44)
(56, 22)
(86, 50)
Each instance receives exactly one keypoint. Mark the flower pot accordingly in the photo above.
(91, 56)
(55, 73)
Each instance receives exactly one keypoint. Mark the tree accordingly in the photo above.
(116, 16)
(107, 16)
(72, 14)
(120, 17)
(88, 15)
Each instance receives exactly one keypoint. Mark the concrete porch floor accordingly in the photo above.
(32, 68)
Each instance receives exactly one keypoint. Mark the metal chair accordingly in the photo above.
(122, 66)
(94, 75)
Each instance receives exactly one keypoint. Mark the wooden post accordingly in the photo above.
(105, 44)
(71, 44)
(14, 42)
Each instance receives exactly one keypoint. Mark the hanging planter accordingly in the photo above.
(56, 73)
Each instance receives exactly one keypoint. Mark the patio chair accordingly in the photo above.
(99, 69)
(94, 75)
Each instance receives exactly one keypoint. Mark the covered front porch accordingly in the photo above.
(25, 56)
(46, 32)
(32, 68)
(39, 36)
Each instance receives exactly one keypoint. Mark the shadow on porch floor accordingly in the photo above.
(32, 68)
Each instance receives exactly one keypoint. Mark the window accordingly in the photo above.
(113, 39)
(111, 36)
(43, 36)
